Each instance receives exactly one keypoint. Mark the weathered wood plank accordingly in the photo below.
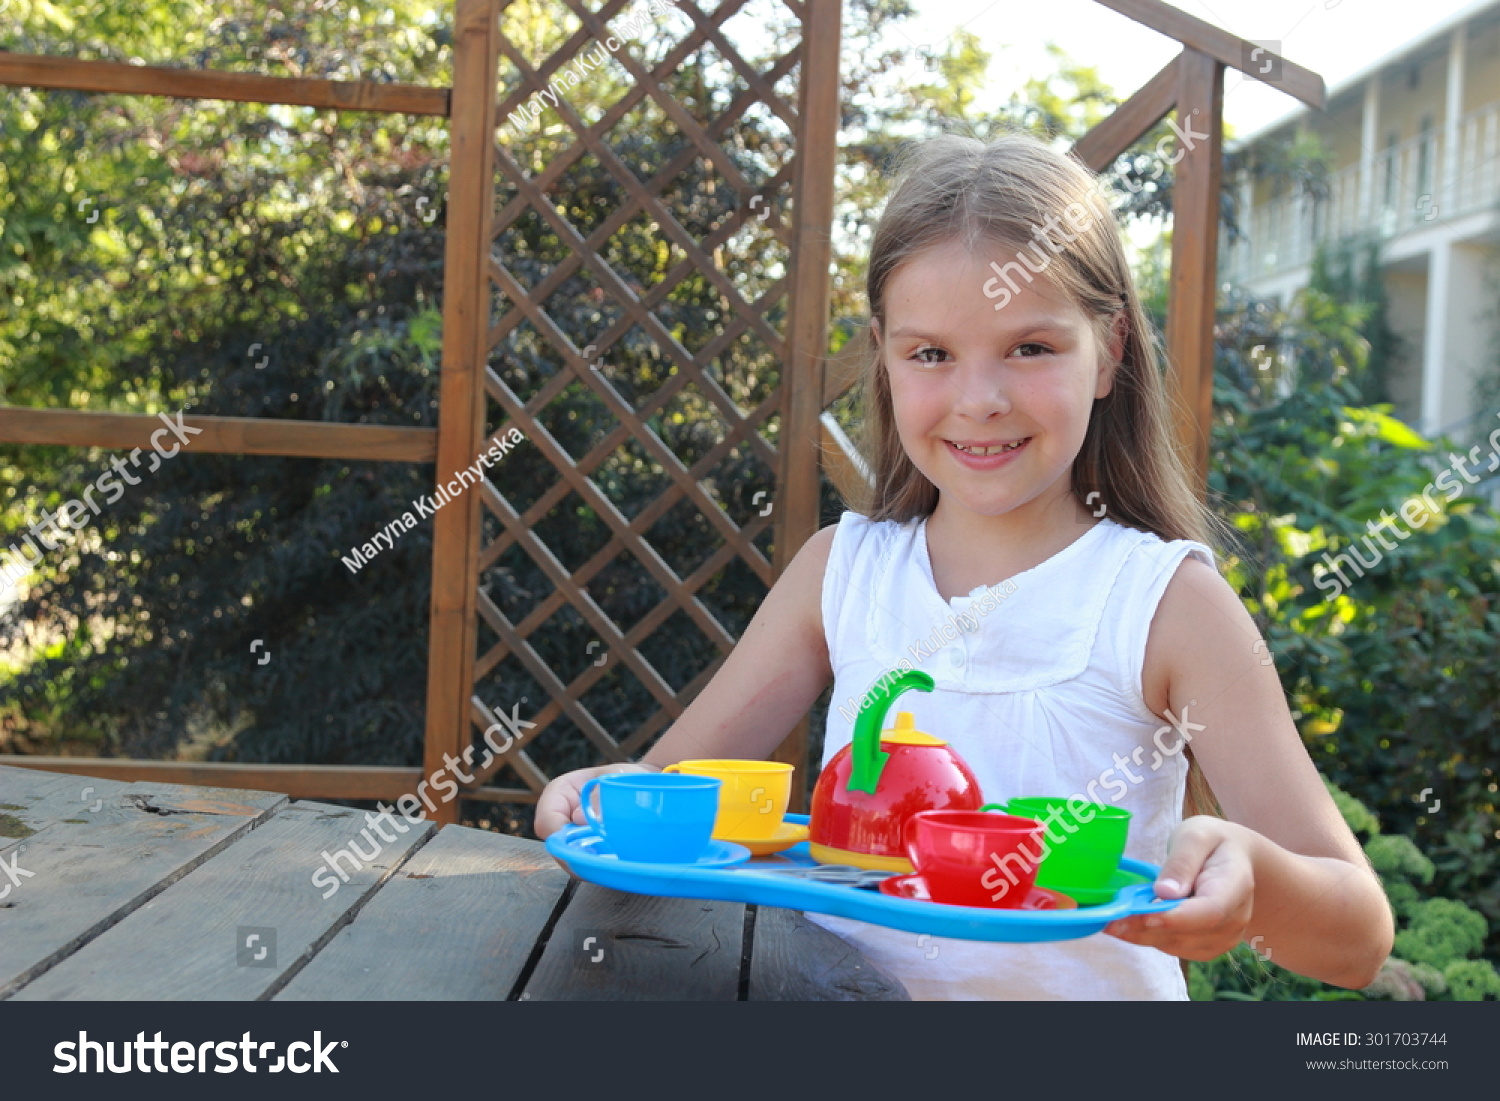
(613, 946)
(387, 782)
(456, 922)
(82, 877)
(793, 960)
(31, 801)
(19, 787)
(187, 943)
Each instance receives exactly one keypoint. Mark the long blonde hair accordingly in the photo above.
(954, 187)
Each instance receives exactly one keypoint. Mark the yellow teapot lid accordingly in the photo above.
(905, 732)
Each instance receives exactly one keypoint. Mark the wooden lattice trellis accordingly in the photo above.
(795, 399)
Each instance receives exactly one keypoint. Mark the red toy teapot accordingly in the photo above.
(880, 779)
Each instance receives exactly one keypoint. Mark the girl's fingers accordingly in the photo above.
(558, 807)
(1200, 916)
(1211, 921)
(1188, 850)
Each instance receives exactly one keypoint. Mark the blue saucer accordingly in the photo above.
(719, 854)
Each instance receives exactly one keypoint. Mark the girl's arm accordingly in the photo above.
(1283, 872)
(767, 683)
(769, 680)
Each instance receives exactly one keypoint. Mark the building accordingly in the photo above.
(1415, 147)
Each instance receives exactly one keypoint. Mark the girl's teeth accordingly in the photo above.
(996, 450)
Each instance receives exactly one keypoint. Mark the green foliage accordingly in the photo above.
(1472, 980)
(222, 226)
(1434, 938)
(149, 246)
(1440, 930)
(1358, 817)
(1395, 855)
(1394, 676)
(1349, 272)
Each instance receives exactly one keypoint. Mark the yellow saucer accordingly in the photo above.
(787, 834)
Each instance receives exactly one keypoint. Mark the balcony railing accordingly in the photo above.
(1403, 190)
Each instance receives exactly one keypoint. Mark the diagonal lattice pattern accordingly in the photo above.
(640, 268)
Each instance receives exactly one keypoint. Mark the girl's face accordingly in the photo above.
(991, 405)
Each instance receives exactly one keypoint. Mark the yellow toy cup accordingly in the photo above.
(752, 800)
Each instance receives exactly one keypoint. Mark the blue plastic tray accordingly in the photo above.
(785, 880)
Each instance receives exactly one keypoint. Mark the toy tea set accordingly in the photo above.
(899, 835)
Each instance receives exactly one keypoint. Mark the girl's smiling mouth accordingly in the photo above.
(985, 455)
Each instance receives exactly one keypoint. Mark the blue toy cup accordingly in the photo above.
(654, 817)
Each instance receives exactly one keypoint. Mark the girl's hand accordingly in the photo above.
(559, 805)
(1208, 859)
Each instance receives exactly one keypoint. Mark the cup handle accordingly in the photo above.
(909, 836)
(588, 811)
(1003, 808)
(673, 768)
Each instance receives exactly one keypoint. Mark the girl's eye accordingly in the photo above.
(1042, 349)
(920, 352)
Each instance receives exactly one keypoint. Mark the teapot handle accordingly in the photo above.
(867, 758)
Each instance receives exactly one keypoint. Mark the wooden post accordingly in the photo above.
(807, 316)
(1195, 236)
(466, 299)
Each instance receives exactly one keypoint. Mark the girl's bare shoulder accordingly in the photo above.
(1200, 625)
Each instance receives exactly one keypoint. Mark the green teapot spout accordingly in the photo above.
(868, 759)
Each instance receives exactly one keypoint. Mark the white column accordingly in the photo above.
(1466, 344)
(1439, 270)
(1369, 139)
(1448, 190)
(1248, 250)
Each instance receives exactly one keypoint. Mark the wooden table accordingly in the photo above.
(145, 892)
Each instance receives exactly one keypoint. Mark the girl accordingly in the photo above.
(1019, 437)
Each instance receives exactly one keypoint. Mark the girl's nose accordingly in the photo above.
(980, 392)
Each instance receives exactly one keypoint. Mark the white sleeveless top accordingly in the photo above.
(1038, 689)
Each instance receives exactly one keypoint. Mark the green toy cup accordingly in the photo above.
(1085, 840)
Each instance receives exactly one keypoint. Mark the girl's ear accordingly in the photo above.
(1119, 327)
(875, 330)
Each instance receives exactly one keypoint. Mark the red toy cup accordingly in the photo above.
(975, 858)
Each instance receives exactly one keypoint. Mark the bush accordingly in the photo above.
(1434, 939)
(1394, 677)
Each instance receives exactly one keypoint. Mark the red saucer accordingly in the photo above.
(914, 886)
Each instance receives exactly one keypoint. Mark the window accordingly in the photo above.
(1425, 152)
(1388, 197)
